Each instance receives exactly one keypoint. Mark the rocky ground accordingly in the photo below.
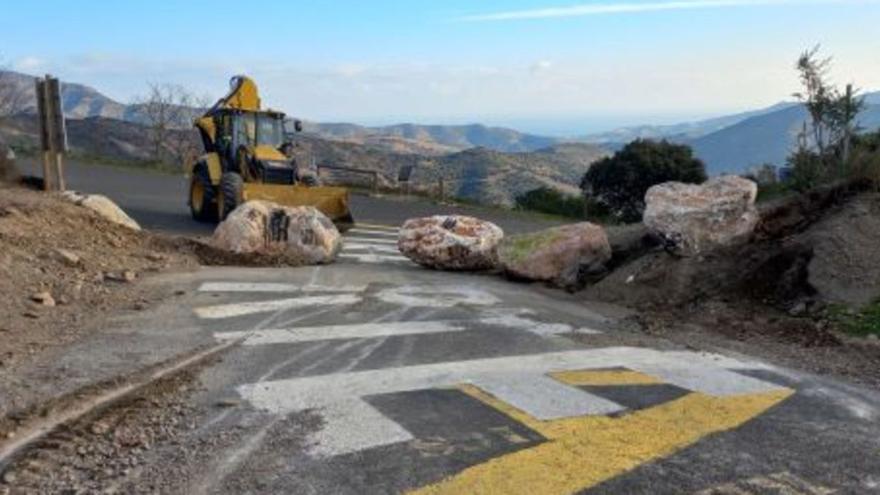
(62, 268)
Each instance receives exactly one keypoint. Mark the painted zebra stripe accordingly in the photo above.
(276, 287)
(370, 247)
(376, 226)
(369, 240)
(384, 233)
(373, 258)
(370, 330)
(248, 308)
(335, 332)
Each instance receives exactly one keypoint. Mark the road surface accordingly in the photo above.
(375, 376)
(158, 201)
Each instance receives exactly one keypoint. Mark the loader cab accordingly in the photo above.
(252, 130)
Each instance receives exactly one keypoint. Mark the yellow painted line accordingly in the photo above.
(605, 378)
(582, 452)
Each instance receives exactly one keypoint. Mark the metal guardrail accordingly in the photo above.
(374, 174)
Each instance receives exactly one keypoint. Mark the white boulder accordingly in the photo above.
(263, 227)
(453, 242)
(103, 206)
(693, 219)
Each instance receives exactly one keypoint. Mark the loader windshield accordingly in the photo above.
(270, 130)
(258, 129)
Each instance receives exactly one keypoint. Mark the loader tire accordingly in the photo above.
(231, 187)
(202, 195)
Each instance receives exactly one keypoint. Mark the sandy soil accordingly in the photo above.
(62, 268)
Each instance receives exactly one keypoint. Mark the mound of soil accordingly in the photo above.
(814, 250)
(62, 265)
(768, 297)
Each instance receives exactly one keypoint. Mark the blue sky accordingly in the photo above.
(563, 67)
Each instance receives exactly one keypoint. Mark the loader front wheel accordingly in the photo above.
(201, 196)
(230, 197)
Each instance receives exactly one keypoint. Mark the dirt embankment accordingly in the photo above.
(775, 296)
(62, 266)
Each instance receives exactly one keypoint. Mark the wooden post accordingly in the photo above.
(45, 144)
(441, 193)
(57, 129)
(847, 131)
(59, 170)
(53, 135)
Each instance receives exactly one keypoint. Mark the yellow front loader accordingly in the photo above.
(248, 157)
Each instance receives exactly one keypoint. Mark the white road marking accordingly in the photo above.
(247, 308)
(377, 226)
(276, 287)
(370, 247)
(339, 437)
(384, 329)
(544, 329)
(385, 233)
(436, 297)
(372, 258)
(368, 240)
(520, 380)
(334, 332)
(543, 397)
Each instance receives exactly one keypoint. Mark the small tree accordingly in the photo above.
(168, 110)
(823, 145)
(621, 181)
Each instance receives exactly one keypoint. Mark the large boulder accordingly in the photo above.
(452, 242)
(566, 256)
(266, 228)
(103, 206)
(695, 219)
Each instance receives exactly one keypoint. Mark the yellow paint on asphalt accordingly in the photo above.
(584, 451)
(605, 377)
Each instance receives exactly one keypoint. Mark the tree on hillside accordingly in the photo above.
(621, 181)
(168, 111)
(824, 143)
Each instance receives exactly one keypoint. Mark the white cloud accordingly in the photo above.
(540, 66)
(29, 64)
(632, 7)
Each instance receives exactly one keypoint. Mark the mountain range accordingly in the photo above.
(727, 144)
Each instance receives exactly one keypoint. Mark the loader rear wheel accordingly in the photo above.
(231, 188)
(201, 196)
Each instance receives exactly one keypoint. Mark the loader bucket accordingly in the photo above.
(331, 201)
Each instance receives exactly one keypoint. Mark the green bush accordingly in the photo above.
(551, 201)
(620, 182)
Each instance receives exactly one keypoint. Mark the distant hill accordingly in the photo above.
(439, 138)
(765, 138)
(728, 144)
(678, 132)
(479, 174)
(80, 101)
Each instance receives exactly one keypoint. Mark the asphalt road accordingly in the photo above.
(373, 375)
(159, 201)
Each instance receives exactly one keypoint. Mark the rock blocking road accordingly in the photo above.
(373, 375)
